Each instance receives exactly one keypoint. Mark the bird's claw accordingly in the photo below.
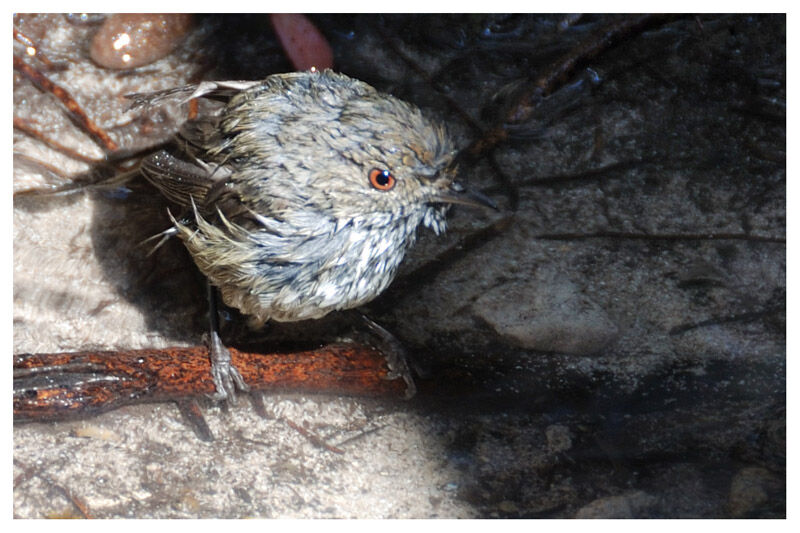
(227, 378)
(396, 358)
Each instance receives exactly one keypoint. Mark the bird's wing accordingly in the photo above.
(178, 180)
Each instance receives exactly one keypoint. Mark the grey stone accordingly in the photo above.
(547, 313)
(632, 505)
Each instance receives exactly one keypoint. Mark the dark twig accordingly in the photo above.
(581, 175)
(191, 411)
(507, 185)
(313, 438)
(361, 435)
(67, 385)
(710, 236)
(556, 75)
(741, 317)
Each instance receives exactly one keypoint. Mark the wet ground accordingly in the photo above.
(611, 343)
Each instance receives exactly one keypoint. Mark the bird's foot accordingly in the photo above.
(227, 378)
(396, 357)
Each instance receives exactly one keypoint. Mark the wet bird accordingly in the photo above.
(303, 193)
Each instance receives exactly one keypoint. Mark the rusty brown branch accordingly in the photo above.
(67, 385)
(75, 112)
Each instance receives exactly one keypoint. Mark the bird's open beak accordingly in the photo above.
(457, 194)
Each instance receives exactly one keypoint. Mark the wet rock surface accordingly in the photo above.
(611, 343)
(546, 314)
(634, 505)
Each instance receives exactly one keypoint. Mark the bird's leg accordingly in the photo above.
(226, 377)
(396, 357)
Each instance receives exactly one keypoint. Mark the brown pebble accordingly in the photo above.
(131, 40)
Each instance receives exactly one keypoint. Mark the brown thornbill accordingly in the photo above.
(303, 193)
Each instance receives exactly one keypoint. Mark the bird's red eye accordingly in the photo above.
(381, 179)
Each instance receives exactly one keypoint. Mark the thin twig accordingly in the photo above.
(313, 438)
(26, 127)
(32, 50)
(709, 236)
(741, 317)
(74, 109)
